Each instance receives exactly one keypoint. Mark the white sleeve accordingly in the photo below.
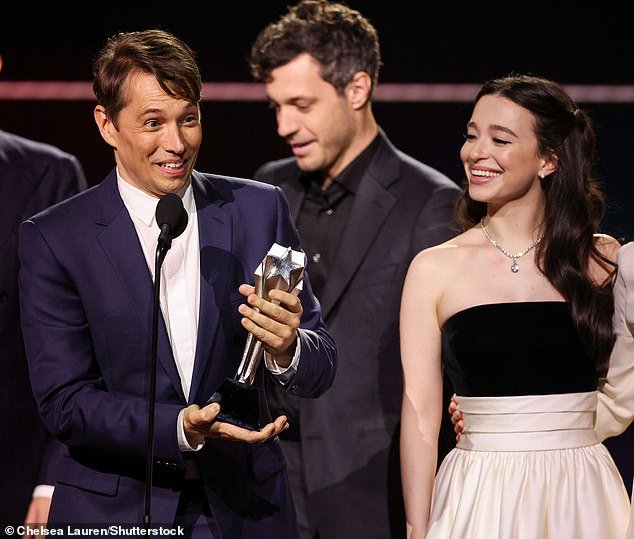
(283, 375)
(615, 408)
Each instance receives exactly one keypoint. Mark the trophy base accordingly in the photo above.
(239, 404)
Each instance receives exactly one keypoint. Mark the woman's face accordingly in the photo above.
(500, 154)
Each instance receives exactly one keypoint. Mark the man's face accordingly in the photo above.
(157, 139)
(316, 121)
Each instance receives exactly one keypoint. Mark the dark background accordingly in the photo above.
(426, 42)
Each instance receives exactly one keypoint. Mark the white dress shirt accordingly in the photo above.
(180, 273)
(180, 286)
(180, 280)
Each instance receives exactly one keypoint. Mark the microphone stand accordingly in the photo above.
(161, 250)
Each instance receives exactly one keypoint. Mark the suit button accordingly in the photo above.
(3, 296)
(296, 388)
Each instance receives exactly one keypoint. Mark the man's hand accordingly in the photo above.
(456, 417)
(201, 422)
(274, 325)
(37, 514)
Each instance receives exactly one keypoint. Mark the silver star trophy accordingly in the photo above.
(281, 269)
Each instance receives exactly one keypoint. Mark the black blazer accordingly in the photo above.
(33, 176)
(401, 207)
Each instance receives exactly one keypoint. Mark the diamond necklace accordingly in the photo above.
(515, 267)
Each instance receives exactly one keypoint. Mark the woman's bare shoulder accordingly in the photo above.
(439, 257)
(602, 268)
(607, 246)
(436, 266)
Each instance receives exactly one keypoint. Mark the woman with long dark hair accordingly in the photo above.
(517, 310)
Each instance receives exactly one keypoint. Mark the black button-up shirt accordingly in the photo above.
(324, 215)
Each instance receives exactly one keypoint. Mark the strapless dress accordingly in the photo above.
(528, 464)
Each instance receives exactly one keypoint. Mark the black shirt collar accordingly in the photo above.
(350, 177)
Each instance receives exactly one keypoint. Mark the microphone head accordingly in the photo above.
(170, 211)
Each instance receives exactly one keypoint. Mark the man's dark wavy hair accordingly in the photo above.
(338, 37)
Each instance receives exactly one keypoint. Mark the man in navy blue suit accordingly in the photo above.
(86, 297)
(33, 176)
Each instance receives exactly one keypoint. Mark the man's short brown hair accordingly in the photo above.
(157, 52)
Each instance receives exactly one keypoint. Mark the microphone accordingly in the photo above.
(171, 218)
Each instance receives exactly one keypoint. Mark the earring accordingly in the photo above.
(541, 174)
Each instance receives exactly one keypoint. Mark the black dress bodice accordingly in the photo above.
(510, 349)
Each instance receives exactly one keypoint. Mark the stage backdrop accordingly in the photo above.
(432, 43)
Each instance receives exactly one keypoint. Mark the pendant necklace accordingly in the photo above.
(515, 267)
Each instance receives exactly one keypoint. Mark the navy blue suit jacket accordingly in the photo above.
(86, 297)
(33, 176)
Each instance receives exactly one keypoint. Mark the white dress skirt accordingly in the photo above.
(529, 467)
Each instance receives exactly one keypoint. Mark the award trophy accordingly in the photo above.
(281, 269)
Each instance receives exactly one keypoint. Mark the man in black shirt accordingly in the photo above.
(324, 212)
(363, 210)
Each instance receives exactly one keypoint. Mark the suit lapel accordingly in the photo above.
(373, 203)
(215, 239)
(121, 243)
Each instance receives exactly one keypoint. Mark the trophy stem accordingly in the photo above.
(251, 358)
(281, 269)
(252, 367)
(243, 368)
